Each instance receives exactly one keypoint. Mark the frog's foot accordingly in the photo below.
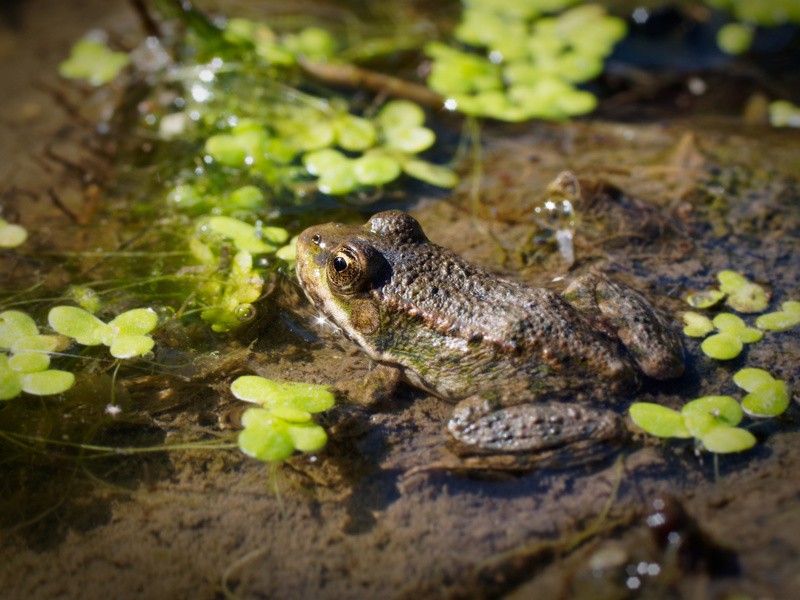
(479, 426)
(654, 344)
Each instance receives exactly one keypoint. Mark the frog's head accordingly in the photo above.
(342, 268)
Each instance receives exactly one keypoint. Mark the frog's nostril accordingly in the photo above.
(316, 238)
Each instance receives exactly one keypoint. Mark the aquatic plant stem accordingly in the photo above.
(349, 75)
(234, 566)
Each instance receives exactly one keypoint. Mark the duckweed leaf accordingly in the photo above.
(735, 326)
(750, 379)
(781, 320)
(32, 353)
(247, 197)
(226, 149)
(323, 161)
(128, 346)
(247, 237)
(735, 38)
(410, 140)
(289, 251)
(725, 439)
(94, 61)
(783, 113)
(307, 437)
(703, 414)
(12, 235)
(355, 134)
(696, 325)
(139, 321)
(429, 173)
(265, 437)
(291, 414)
(705, 298)
(767, 397)
(743, 295)
(722, 346)
(15, 324)
(272, 394)
(375, 169)
(340, 180)
(769, 400)
(400, 114)
(47, 383)
(659, 420)
(10, 385)
(83, 327)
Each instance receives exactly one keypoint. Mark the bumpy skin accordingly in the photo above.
(461, 332)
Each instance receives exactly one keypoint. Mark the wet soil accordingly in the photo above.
(666, 205)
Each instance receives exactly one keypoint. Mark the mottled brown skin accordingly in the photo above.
(463, 333)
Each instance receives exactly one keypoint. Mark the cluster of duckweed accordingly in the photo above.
(713, 420)
(25, 361)
(521, 60)
(127, 335)
(244, 106)
(25, 358)
(282, 424)
(732, 332)
(737, 37)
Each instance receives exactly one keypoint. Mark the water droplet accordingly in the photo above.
(245, 312)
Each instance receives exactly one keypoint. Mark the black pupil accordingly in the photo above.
(340, 264)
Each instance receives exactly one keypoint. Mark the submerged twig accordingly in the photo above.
(348, 75)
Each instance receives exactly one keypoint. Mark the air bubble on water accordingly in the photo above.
(245, 312)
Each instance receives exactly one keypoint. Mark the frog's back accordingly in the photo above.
(507, 326)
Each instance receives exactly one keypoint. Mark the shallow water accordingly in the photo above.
(685, 189)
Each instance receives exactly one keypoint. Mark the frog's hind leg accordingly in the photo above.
(479, 426)
(654, 344)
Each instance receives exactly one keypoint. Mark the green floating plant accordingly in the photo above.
(529, 62)
(705, 298)
(278, 50)
(229, 297)
(12, 235)
(783, 113)
(743, 295)
(739, 293)
(92, 60)
(25, 369)
(737, 37)
(230, 286)
(767, 396)
(781, 320)
(126, 335)
(712, 420)
(696, 325)
(388, 145)
(282, 424)
(733, 335)
(255, 239)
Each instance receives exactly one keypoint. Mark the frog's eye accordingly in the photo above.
(347, 270)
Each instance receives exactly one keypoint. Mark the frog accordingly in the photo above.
(528, 368)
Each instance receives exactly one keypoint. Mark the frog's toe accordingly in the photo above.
(478, 427)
